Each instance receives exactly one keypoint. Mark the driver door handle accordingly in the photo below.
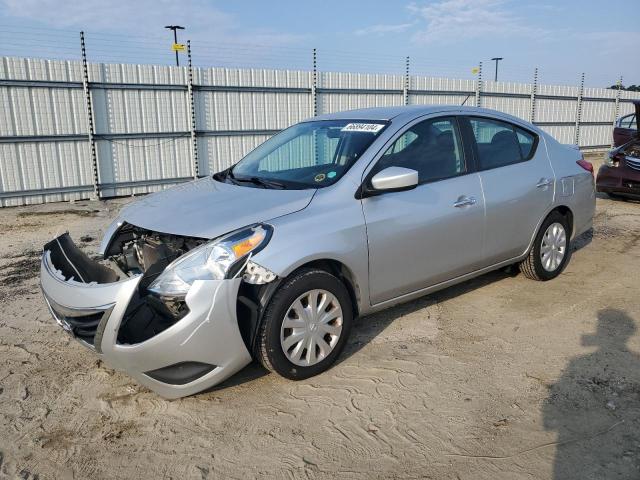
(544, 182)
(464, 201)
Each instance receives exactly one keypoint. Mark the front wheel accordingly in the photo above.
(305, 325)
(550, 251)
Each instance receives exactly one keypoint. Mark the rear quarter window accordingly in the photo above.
(527, 143)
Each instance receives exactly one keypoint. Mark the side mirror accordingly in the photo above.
(394, 179)
(391, 179)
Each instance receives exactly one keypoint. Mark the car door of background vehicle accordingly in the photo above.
(434, 232)
(624, 130)
(517, 182)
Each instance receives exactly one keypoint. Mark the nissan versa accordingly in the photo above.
(332, 218)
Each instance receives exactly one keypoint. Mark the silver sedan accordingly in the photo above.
(335, 217)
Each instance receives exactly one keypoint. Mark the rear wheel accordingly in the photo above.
(550, 251)
(305, 326)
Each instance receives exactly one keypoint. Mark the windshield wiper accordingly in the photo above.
(263, 182)
(266, 182)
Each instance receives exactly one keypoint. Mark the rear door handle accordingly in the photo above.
(464, 201)
(544, 182)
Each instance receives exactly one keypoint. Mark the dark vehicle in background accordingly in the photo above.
(626, 128)
(620, 175)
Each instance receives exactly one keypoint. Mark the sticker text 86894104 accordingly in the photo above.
(363, 127)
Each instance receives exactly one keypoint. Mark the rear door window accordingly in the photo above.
(501, 143)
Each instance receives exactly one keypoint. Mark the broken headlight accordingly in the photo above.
(213, 260)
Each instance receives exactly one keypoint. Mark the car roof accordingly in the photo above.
(385, 113)
(407, 113)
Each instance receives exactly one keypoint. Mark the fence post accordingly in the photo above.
(579, 111)
(616, 111)
(192, 108)
(405, 91)
(479, 86)
(534, 91)
(314, 86)
(91, 128)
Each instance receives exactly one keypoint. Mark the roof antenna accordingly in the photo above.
(465, 100)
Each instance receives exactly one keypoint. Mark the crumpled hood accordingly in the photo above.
(207, 208)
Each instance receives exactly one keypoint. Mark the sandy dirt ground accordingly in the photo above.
(498, 378)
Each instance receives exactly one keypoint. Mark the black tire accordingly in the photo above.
(531, 267)
(268, 349)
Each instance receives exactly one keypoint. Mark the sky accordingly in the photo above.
(441, 37)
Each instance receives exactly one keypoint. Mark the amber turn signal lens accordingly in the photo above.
(245, 246)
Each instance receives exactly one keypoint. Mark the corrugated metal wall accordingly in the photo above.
(236, 110)
(143, 128)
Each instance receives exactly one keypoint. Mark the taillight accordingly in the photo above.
(586, 165)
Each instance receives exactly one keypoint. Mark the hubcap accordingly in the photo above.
(311, 328)
(553, 247)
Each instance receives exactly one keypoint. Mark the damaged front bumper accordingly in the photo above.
(201, 348)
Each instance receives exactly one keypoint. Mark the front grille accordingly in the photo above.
(632, 162)
(86, 325)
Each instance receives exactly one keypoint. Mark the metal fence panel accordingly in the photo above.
(41, 111)
(143, 162)
(237, 109)
(250, 110)
(562, 133)
(40, 69)
(443, 99)
(366, 81)
(598, 111)
(518, 107)
(219, 152)
(347, 91)
(44, 172)
(625, 106)
(442, 84)
(236, 77)
(336, 102)
(594, 136)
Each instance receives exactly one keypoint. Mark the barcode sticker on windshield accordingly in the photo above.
(363, 127)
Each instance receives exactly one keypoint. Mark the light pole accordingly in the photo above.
(175, 28)
(496, 59)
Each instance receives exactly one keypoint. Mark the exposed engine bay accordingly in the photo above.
(135, 251)
(633, 150)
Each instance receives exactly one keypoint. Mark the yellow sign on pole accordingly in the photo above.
(178, 47)
(475, 70)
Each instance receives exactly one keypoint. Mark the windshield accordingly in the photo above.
(307, 155)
